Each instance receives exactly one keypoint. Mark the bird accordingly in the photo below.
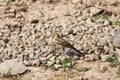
(59, 41)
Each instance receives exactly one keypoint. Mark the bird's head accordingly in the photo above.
(55, 36)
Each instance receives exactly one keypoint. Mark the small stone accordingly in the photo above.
(6, 40)
(70, 31)
(109, 39)
(91, 57)
(89, 21)
(45, 79)
(31, 55)
(12, 10)
(45, 55)
(75, 1)
(15, 24)
(49, 18)
(13, 67)
(49, 56)
(94, 11)
(34, 20)
(87, 2)
(49, 63)
(106, 22)
(73, 63)
(99, 25)
(57, 66)
(76, 58)
(104, 57)
(106, 48)
(69, 64)
(84, 78)
(57, 61)
(27, 63)
(103, 42)
(112, 2)
(20, 15)
(10, 15)
(43, 58)
(36, 62)
(52, 58)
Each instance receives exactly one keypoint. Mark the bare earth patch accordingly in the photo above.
(90, 25)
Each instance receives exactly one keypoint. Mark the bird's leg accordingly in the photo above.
(53, 45)
(64, 53)
(53, 48)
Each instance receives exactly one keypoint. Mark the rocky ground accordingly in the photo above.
(92, 26)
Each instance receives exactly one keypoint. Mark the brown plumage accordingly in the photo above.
(59, 41)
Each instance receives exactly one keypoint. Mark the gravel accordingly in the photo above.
(25, 32)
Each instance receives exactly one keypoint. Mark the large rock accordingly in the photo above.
(12, 67)
(118, 53)
(116, 40)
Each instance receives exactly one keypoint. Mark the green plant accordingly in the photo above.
(53, 1)
(53, 66)
(14, 78)
(9, 2)
(113, 61)
(42, 14)
(117, 22)
(84, 69)
(114, 64)
(65, 63)
(118, 73)
(105, 17)
(33, 0)
(53, 52)
(96, 16)
(8, 74)
(45, 66)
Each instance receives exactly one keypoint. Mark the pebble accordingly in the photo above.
(49, 63)
(117, 52)
(57, 61)
(45, 79)
(52, 58)
(11, 15)
(49, 56)
(104, 57)
(34, 21)
(6, 40)
(27, 63)
(94, 11)
(106, 48)
(112, 2)
(75, 1)
(57, 66)
(106, 23)
(36, 62)
(15, 24)
(91, 57)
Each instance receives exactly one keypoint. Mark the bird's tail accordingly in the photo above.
(77, 52)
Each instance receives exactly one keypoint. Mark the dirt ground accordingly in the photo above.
(83, 70)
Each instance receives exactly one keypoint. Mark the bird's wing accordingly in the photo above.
(64, 43)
